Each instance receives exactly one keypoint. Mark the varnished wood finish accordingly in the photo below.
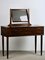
(3, 45)
(22, 30)
(27, 12)
(10, 17)
(35, 43)
(41, 44)
(7, 47)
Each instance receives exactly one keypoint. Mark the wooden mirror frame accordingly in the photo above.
(27, 12)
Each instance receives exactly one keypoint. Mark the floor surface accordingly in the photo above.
(23, 56)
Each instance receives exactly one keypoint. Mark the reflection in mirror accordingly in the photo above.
(18, 15)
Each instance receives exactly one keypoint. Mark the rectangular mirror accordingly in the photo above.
(18, 15)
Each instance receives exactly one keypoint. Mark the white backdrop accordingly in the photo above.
(37, 10)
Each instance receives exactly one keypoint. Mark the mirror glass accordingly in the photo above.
(18, 15)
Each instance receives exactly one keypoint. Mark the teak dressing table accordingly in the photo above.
(15, 30)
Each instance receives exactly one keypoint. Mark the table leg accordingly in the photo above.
(35, 43)
(3, 45)
(7, 47)
(41, 43)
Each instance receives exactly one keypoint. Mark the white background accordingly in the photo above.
(37, 11)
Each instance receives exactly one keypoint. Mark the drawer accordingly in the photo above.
(22, 31)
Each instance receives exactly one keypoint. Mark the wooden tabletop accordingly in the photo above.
(22, 25)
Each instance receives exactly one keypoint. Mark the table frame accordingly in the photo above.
(8, 45)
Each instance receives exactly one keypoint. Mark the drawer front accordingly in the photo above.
(23, 31)
(30, 31)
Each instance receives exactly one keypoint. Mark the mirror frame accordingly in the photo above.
(27, 13)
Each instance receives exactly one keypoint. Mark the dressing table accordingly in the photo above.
(15, 30)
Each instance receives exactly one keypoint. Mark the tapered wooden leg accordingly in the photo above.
(41, 43)
(35, 43)
(3, 45)
(7, 47)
